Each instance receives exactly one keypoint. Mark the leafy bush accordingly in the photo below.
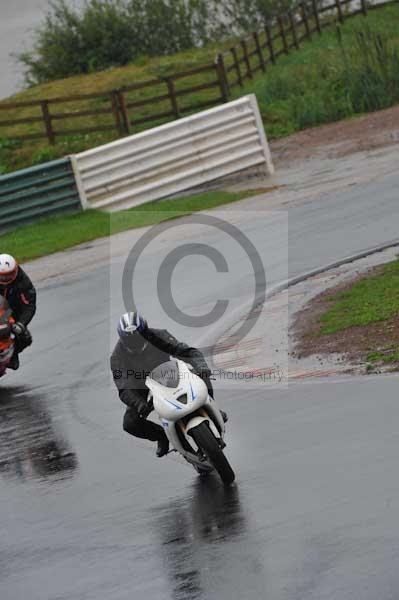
(247, 15)
(109, 33)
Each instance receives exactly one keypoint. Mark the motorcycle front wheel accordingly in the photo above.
(205, 440)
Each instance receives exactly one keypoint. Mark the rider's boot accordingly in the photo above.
(163, 447)
(225, 416)
(14, 362)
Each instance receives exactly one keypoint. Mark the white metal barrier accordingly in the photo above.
(174, 157)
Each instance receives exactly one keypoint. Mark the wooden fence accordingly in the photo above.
(260, 49)
(122, 111)
(116, 108)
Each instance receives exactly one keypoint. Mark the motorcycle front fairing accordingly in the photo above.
(7, 338)
(6, 354)
(177, 393)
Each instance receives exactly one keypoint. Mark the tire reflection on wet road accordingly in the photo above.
(194, 535)
(31, 444)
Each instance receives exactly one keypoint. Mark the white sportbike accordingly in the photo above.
(190, 418)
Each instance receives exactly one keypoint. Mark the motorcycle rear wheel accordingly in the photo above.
(204, 438)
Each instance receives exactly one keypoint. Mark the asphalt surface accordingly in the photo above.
(88, 512)
(18, 21)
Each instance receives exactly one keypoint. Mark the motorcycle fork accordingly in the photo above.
(203, 413)
(186, 444)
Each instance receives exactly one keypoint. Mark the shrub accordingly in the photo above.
(109, 33)
(247, 15)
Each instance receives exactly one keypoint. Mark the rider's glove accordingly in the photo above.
(143, 408)
(204, 372)
(19, 329)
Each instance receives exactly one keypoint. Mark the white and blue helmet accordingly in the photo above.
(131, 326)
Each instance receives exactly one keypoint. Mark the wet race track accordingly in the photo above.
(88, 512)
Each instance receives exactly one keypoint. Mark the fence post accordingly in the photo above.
(305, 20)
(282, 34)
(222, 77)
(116, 112)
(259, 51)
(294, 35)
(316, 15)
(269, 39)
(47, 121)
(339, 11)
(246, 58)
(237, 65)
(123, 109)
(364, 7)
(172, 96)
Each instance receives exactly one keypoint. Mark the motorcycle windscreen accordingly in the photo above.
(167, 374)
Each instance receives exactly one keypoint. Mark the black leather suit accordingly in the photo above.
(131, 369)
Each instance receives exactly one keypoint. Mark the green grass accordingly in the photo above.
(58, 233)
(370, 300)
(373, 300)
(321, 83)
(305, 88)
(389, 356)
(366, 316)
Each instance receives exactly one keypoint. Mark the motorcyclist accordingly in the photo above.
(20, 293)
(141, 349)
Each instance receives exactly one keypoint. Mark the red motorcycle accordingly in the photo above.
(7, 338)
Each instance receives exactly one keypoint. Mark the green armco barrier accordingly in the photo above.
(37, 192)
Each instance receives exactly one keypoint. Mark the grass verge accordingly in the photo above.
(58, 233)
(370, 300)
(359, 319)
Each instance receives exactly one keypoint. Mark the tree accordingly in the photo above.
(109, 33)
(249, 15)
